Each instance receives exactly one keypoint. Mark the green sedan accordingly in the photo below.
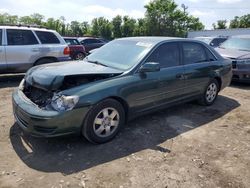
(123, 79)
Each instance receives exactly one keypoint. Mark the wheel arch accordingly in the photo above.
(218, 79)
(47, 57)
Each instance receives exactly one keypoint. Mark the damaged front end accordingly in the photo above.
(50, 97)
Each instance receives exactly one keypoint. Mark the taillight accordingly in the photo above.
(66, 51)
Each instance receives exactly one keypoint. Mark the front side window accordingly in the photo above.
(193, 53)
(20, 37)
(166, 54)
(47, 37)
(0, 37)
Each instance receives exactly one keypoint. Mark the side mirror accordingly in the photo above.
(150, 67)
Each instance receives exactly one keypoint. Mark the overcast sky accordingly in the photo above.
(85, 10)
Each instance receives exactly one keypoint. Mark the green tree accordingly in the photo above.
(240, 22)
(164, 18)
(117, 26)
(128, 26)
(221, 24)
(101, 27)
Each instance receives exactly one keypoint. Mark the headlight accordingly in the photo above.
(21, 85)
(64, 103)
(243, 61)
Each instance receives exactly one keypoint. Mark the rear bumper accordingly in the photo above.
(43, 123)
(241, 75)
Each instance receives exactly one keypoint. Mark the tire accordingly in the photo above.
(44, 61)
(103, 121)
(79, 56)
(210, 94)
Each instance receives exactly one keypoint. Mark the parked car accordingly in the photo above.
(124, 79)
(23, 47)
(237, 49)
(213, 41)
(77, 51)
(91, 43)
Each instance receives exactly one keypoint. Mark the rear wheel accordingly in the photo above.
(210, 94)
(103, 121)
(79, 56)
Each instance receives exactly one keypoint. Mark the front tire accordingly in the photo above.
(103, 121)
(79, 56)
(210, 94)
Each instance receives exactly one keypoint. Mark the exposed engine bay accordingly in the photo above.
(43, 97)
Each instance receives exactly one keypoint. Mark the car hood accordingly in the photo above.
(51, 76)
(233, 54)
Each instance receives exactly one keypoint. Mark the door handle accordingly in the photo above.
(180, 76)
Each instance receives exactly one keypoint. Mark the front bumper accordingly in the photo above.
(44, 123)
(241, 75)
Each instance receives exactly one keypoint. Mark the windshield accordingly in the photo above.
(237, 43)
(120, 54)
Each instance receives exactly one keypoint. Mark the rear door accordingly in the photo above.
(91, 44)
(2, 53)
(197, 67)
(21, 50)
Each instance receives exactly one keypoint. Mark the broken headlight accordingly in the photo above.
(64, 103)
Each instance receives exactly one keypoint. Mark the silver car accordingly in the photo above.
(24, 47)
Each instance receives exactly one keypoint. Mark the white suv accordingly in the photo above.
(23, 47)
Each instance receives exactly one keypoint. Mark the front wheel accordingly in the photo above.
(103, 121)
(210, 94)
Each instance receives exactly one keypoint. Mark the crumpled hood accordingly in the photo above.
(51, 76)
(233, 54)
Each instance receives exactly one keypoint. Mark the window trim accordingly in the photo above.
(1, 43)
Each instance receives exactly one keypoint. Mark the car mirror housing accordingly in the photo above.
(150, 67)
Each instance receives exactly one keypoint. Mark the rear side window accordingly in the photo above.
(90, 41)
(72, 42)
(47, 37)
(210, 56)
(166, 54)
(0, 37)
(20, 37)
(217, 41)
(193, 53)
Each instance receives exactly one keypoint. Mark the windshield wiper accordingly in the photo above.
(96, 62)
(244, 50)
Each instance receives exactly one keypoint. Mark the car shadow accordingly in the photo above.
(73, 154)
(240, 85)
(10, 80)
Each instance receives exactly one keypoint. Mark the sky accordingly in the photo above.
(209, 11)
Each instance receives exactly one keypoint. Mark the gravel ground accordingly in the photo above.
(183, 146)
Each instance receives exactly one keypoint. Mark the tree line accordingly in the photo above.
(162, 18)
(237, 22)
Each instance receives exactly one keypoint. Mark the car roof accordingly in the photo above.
(70, 37)
(26, 28)
(156, 40)
(242, 36)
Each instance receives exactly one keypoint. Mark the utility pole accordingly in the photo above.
(184, 9)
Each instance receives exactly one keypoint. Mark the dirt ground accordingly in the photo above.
(183, 146)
